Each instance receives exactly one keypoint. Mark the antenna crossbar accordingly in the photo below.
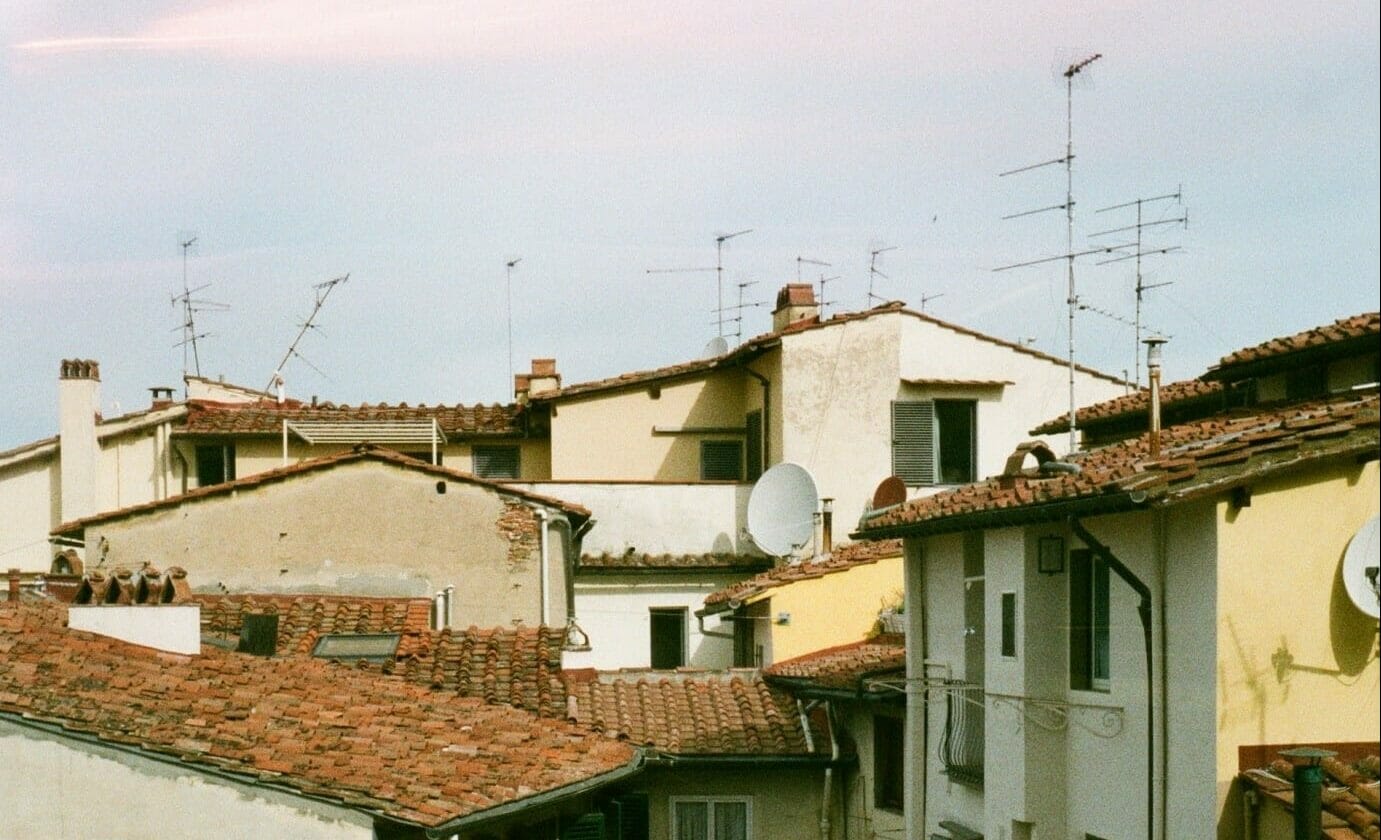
(323, 291)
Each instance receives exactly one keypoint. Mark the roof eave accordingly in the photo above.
(1006, 517)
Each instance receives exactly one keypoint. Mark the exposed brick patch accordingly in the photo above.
(521, 527)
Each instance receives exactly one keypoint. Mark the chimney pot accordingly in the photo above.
(14, 585)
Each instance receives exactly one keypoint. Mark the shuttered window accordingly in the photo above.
(721, 460)
(496, 461)
(913, 441)
(753, 424)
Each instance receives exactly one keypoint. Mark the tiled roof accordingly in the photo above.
(1198, 458)
(843, 559)
(359, 453)
(378, 745)
(1137, 402)
(672, 562)
(518, 666)
(212, 418)
(691, 713)
(843, 668)
(1350, 807)
(1367, 324)
(754, 346)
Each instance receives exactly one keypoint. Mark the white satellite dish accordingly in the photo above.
(717, 347)
(1360, 564)
(781, 510)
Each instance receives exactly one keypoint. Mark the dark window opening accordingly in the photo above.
(1090, 660)
(753, 424)
(957, 446)
(1009, 624)
(668, 634)
(1306, 382)
(747, 651)
(496, 461)
(889, 762)
(935, 441)
(215, 463)
(721, 460)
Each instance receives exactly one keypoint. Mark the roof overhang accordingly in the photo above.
(316, 432)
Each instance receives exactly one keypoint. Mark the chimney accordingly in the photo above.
(827, 525)
(543, 377)
(14, 585)
(795, 302)
(1153, 372)
(79, 393)
(161, 397)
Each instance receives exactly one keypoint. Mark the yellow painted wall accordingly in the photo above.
(1281, 601)
(609, 435)
(260, 454)
(832, 610)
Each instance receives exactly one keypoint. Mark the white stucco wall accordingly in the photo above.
(613, 612)
(29, 507)
(657, 518)
(59, 788)
(172, 627)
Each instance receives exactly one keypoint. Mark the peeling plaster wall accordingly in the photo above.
(363, 528)
(60, 788)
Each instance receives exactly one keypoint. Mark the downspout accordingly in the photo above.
(1163, 767)
(546, 570)
(1144, 611)
(713, 634)
(766, 426)
(574, 537)
(913, 745)
(803, 711)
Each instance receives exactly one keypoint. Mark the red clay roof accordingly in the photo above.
(691, 713)
(359, 453)
(845, 667)
(844, 558)
(1350, 807)
(1198, 458)
(754, 346)
(374, 744)
(1342, 330)
(1137, 402)
(688, 562)
(518, 666)
(213, 418)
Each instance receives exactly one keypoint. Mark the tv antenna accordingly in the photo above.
(823, 303)
(738, 308)
(323, 291)
(874, 272)
(1069, 256)
(925, 298)
(508, 287)
(808, 261)
(1141, 285)
(718, 271)
(190, 306)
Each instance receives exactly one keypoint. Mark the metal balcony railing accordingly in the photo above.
(961, 748)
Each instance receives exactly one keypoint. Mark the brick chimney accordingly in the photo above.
(795, 302)
(79, 399)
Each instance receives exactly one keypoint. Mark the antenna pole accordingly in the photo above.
(323, 291)
(1073, 70)
(508, 287)
(873, 270)
(719, 274)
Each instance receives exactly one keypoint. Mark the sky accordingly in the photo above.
(418, 147)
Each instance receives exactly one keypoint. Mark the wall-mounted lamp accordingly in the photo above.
(783, 618)
(1050, 555)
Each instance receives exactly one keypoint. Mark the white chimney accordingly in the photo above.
(79, 399)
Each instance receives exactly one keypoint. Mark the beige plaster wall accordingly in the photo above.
(56, 788)
(365, 527)
(29, 508)
(262, 453)
(785, 802)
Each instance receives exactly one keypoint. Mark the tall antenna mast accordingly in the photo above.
(191, 306)
(1072, 298)
(508, 286)
(719, 272)
(323, 291)
(874, 272)
(1141, 286)
(822, 301)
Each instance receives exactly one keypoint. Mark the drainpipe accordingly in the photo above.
(1144, 611)
(826, 797)
(447, 595)
(1308, 779)
(546, 572)
(766, 426)
(917, 710)
(571, 550)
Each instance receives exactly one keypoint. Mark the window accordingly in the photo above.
(753, 425)
(747, 652)
(889, 774)
(496, 461)
(721, 460)
(1009, 624)
(668, 636)
(705, 818)
(935, 441)
(215, 464)
(1306, 382)
(1089, 651)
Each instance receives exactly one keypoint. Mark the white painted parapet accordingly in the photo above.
(175, 628)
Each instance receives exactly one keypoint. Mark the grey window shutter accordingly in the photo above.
(913, 441)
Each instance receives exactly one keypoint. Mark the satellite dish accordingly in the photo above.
(717, 347)
(781, 510)
(1360, 564)
(892, 491)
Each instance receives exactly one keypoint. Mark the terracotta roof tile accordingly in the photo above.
(844, 558)
(378, 744)
(359, 453)
(845, 667)
(691, 713)
(635, 560)
(1197, 458)
(205, 417)
(1342, 330)
(1135, 403)
(1350, 804)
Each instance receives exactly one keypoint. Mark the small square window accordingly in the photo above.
(496, 461)
(721, 460)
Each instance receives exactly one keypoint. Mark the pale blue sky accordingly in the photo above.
(418, 146)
